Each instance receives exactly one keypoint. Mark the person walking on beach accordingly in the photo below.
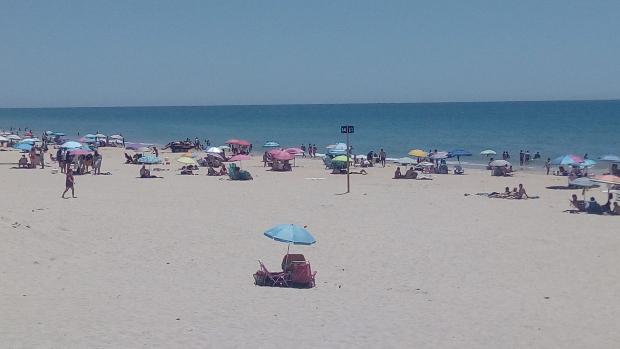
(382, 156)
(303, 149)
(548, 165)
(521, 157)
(69, 183)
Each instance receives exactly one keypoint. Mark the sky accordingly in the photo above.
(135, 53)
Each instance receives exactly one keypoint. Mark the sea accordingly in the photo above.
(551, 128)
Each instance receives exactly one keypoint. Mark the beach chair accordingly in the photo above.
(264, 277)
(292, 258)
(458, 170)
(301, 275)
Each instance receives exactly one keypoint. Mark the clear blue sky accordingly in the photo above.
(107, 53)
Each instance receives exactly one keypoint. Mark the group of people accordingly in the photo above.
(524, 157)
(515, 193)
(594, 207)
(311, 149)
(82, 163)
(410, 174)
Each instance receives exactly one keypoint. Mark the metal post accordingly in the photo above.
(348, 155)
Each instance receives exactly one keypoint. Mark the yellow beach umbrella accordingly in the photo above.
(186, 160)
(342, 158)
(418, 153)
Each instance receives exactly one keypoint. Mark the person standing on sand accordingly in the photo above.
(156, 152)
(382, 156)
(69, 184)
(548, 165)
(521, 157)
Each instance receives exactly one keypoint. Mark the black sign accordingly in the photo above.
(347, 129)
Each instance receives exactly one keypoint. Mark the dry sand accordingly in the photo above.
(168, 263)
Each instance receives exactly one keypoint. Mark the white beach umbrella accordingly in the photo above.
(100, 135)
(499, 163)
(426, 164)
(3, 139)
(118, 137)
(488, 152)
(14, 137)
(406, 161)
(214, 150)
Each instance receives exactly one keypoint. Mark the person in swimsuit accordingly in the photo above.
(69, 183)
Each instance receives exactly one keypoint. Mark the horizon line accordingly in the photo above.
(314, 104)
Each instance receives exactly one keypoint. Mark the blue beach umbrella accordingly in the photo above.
(71, 145)
(291, 234)
(90, 135)
(565, 160)
(149, 160)
(25, 147)
(60, 134)
(271, 144)
(458, 153)
(610, 158)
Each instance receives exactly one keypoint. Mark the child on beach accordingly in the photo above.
(69, 183)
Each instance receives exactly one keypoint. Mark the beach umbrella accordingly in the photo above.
(290, 234)
(71, 145)
(439, 155)
(87, 140)
(610, 158)
(30, 140)
(458, 153)
(583, 182)
(406, 161)
(294, 151)
(100, 135)
(60, 134)
(187, 161)
(224, 147)
(25, 147)
(238, 142)
(569, 159)
(488, 152)
(282, 155)
(149, 160)
(607, 179)
(116, 137)
(340, 158)
(271, 144)
(14, 137)
(337, 149)
(240, 157)
(426, 164)
(3, 139)
(89, 135)
(418, 153)
(587, 163)
(214, 150)
(499, 163)
(79, 152)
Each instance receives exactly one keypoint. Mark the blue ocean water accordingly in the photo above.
(552, 128)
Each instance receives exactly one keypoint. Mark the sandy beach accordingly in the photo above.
(168, 263)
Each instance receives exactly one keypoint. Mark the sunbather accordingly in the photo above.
(23, 162)
(397, 174)
(411, 174)
(211, 171)
(580, 205)
(144, 173)
(616, 209)
(593, 207)
(521, 194)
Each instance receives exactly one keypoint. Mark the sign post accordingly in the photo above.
(348, 129)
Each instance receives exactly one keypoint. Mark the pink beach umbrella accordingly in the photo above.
(282, 155)
(238, 142)
(79, 152)
(240, 157)
(294, 151)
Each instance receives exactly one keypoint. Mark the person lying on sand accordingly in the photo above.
(362, 172)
